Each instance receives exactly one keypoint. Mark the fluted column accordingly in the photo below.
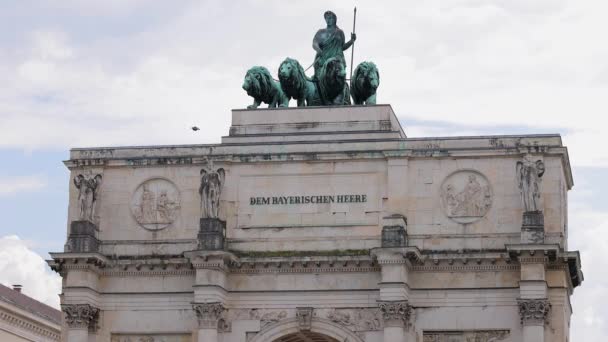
(80, 319)
(534, 313)
(396, 316)
(208, 315)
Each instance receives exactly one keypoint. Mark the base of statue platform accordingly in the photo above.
(533, 227)
(211, 234)
(82, 237)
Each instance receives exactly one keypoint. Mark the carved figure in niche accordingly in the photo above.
(330, 43)
(210, 190)
(87, 195)
(471, 201)
(529, 176)
(155, 204)
(466, 196)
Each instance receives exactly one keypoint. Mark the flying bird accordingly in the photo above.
(194, 128)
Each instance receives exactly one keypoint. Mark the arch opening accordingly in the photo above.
(306, 336)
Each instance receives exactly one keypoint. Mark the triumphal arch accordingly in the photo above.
(320, 223)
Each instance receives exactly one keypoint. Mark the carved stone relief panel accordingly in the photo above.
(466, 196)
(358, 319)
(155, 204)
(150, 338)
(466, 336)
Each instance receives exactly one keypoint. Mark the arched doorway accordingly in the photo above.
(306, 336)
(321, 330)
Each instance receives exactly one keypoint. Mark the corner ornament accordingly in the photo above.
(395, 313)
(534, 311)
(80, 316)
(208, 314)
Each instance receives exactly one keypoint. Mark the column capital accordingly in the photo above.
(208, 314)
(395, 313)
(534, 311)
(80, 316)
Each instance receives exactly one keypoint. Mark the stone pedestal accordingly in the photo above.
(82, 238)
(393, 236)
(211, 234)
(533, 227)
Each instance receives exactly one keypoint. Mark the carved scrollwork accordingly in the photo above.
(208, 314)
(360, 319)
(271, 317)
(395, 313)
(80, 315)
(534, 311)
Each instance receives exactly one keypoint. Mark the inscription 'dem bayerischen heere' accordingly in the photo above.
(308, 199)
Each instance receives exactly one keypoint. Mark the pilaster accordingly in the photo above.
(80, 319)
(208, 316)
(396, 316)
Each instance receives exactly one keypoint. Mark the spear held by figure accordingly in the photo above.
(352, 51)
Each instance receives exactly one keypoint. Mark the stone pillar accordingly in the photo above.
(534, 314)
(208, 315)
(80, 319)
(396, 316)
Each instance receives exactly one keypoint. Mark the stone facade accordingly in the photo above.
(322, 224)
(24, 319)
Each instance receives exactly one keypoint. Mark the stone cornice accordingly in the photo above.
(28, 325)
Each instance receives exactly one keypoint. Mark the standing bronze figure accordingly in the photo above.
(330, 42)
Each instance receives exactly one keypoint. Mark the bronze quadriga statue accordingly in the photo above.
(328, 86)
(260, 85)
(366, 80)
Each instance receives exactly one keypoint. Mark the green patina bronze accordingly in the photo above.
(327, 87)
(330, 43)
(297, 85)
(366, 80)
(332, 85)
(260, 85)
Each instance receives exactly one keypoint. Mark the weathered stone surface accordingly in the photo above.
(312, 214)
(211, 234)
(82, 238)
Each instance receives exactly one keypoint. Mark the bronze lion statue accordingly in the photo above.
(332, 85)
(297, 85)
(260, 85)
(366, 80)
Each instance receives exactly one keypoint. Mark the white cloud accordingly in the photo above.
(589, 302)
(18, 184)
(20, 265)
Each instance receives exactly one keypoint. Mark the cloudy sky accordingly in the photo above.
(118, 72)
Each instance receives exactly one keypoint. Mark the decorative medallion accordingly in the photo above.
(155, 204)
(466, 196)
